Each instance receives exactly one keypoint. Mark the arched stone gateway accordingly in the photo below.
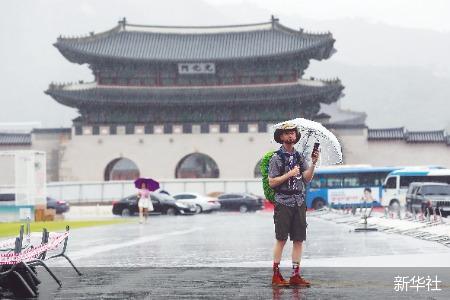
(121, 169)
(197, 165)
(257, 170)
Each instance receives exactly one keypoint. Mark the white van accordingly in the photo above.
(397, 182)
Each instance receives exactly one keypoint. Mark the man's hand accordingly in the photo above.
(294, 172)
(276, 181)
(315, 156)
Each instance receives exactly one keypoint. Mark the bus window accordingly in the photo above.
(351, 180)
(318, 182)
(443, 179)
(406, 180)
(368, 179)
(372, 179)
(334, 180)
(379, 178)
(391, 183)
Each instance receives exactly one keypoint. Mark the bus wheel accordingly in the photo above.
(318, 203)
(394, 205)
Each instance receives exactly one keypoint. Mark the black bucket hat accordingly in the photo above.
(285, 127)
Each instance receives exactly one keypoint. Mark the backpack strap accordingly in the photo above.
(283, 158)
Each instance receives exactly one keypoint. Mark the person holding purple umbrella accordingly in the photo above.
(145, 186)
(145, 203)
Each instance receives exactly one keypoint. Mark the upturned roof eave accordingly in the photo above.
(82, 57)
(72, 97)
(299, 83)
(123, 26)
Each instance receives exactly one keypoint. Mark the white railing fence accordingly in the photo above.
(106, 191)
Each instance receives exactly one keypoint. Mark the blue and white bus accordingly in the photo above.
(397, 182)
(344, 185)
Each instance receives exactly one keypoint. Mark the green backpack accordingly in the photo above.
(269, 192)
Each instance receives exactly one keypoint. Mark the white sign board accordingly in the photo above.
(353, 195)
(196, 68)
(25, 213)
(24, 174)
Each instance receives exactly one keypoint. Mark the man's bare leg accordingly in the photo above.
(278, 251)
(296, 279)
(277, 278)
(297, 249)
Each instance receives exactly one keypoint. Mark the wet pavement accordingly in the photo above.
(234, 240)
(229, 256)
(243, 283)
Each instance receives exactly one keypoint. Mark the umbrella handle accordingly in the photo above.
(306, 143)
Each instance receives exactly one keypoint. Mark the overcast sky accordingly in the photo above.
(425, 14)
(28, 28)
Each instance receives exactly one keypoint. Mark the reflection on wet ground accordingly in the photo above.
(242, 283)
(229, 239)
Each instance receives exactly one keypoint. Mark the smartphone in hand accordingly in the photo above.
(316, 146)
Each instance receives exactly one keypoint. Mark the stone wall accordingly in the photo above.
(85, 157)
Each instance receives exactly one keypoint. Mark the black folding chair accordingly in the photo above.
(63, 253)
(39, 261)
(18, 278)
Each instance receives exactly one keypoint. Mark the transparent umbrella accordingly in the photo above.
(314, 132)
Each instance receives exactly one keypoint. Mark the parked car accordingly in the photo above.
(59, 205)
(431, 197)
(7, 197)
(242, 202)
(202, 203)
(412, 188)
(162, 204)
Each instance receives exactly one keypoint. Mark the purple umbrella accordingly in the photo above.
(152, 185)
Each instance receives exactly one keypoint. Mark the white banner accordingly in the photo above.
(353, 195)
(196, 68)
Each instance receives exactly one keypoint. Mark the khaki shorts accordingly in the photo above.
(290, 221)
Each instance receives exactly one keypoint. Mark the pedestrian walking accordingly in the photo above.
(145, 203)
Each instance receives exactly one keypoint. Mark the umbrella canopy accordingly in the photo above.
(152, 185)
(314, 132)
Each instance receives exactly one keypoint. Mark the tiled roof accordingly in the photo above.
(74, 96)
(52, 130)
(437, 136)
(322, 116)
(193, 44)
(342, 118)
(434, 136)
(12, 139)
(345, 126)
(386, 134)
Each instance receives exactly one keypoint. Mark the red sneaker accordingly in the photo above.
(297, 280)
(278, 280)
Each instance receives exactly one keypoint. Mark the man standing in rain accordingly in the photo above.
(288, 172)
